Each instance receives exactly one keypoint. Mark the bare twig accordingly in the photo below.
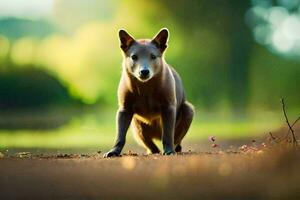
(295, 121)
(288, 132)
(272, 137)
(294, 141)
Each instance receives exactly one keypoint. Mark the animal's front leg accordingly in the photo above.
(168, 120)
(123, 121)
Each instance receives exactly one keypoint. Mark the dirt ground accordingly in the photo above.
(263, 174)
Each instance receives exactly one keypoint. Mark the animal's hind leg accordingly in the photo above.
(183, 122)
(144, 133)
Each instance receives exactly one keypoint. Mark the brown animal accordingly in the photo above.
(151, 96)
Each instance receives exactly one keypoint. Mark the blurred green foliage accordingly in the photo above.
(31, 88)
(223, 68)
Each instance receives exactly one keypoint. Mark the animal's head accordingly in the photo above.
(144, 58)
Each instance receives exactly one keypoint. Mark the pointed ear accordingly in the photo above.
(161, 39)
(125, 40)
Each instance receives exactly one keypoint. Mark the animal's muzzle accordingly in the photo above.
(144, 73)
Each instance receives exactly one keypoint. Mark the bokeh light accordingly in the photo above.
(277, 26)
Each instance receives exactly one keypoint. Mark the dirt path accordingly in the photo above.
(263, 175)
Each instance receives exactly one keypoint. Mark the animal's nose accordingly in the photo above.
(144, 72)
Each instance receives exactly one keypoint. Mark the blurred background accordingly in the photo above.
(60, 64)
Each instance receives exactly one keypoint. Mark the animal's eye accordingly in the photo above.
(134, 57)
(152, 56)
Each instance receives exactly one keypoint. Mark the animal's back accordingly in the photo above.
(180, 95)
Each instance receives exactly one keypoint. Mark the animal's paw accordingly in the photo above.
(111, 153)
(178, 148)
(169, 152)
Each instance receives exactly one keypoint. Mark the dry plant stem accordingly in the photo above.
(287, 133)
(272, 137)
(288, 123)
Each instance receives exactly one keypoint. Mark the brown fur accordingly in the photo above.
(155, 106)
